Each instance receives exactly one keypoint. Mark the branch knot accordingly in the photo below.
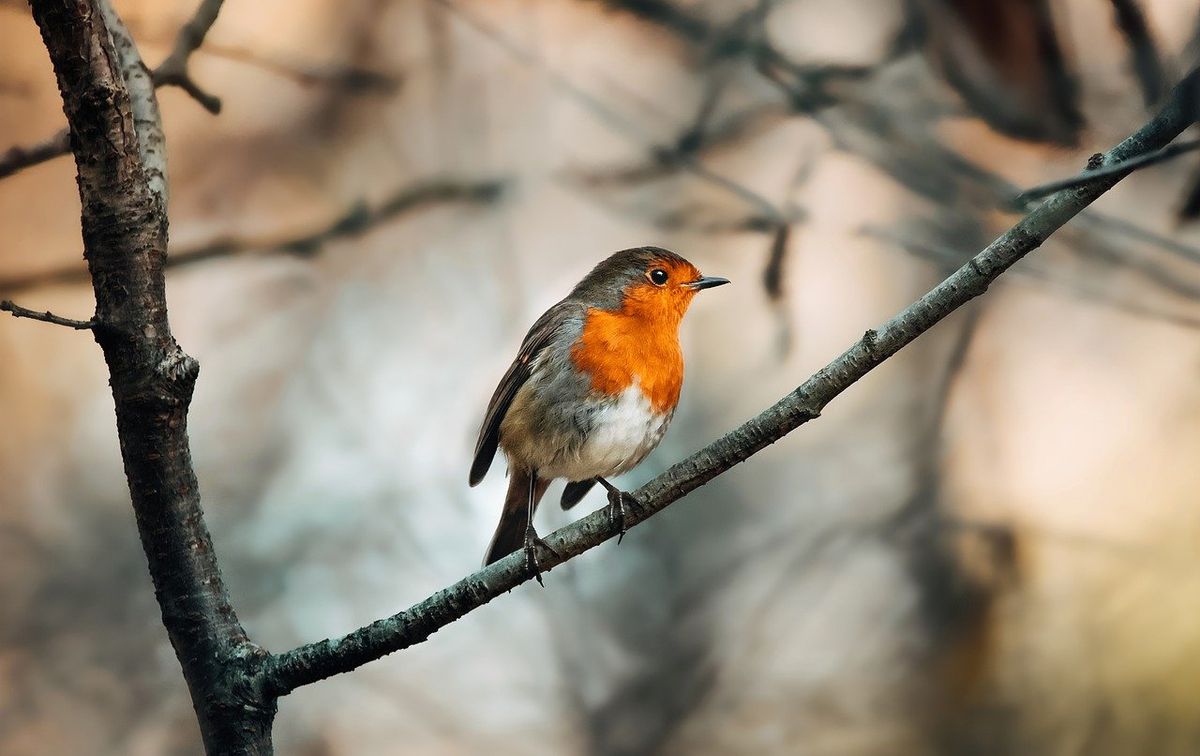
(870, 341)
(177, 366)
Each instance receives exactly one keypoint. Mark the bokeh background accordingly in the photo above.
(988, 546)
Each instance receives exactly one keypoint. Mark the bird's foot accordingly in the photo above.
(533, 542)
(618, 506)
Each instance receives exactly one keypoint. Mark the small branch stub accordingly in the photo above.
(870, 341)
(46, 317)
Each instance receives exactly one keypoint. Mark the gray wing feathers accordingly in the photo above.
(539, 337)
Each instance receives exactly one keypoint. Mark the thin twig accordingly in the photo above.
(45, 316)
(285, 672)
(1108, 171)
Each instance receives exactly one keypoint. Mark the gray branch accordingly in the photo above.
(285, 672)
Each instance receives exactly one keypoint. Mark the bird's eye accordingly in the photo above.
(658, 276)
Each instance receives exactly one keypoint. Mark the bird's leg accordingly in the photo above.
(617, 502)
(532, 540)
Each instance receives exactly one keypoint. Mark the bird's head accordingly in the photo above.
(645, 282)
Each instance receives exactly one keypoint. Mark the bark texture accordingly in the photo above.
(117, 144)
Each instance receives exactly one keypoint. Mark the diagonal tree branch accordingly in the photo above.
(285, 672)
(172, 71)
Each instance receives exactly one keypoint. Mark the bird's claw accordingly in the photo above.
(617, 503)
(532, 543)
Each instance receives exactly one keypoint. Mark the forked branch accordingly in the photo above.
(172, 71)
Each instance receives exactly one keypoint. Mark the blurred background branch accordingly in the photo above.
(171, 72)
(1145, 59)
(357, 220)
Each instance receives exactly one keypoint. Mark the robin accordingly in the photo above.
(591, 392)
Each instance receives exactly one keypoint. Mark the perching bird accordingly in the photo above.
(591, 391)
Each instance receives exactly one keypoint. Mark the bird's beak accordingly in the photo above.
(706, 282)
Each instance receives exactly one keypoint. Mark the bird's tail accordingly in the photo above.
(510, 533)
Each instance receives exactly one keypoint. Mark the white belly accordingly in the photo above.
(622, 434)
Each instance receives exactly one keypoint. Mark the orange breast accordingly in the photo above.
(617, 348)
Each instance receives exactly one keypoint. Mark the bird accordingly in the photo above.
(591, 391)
